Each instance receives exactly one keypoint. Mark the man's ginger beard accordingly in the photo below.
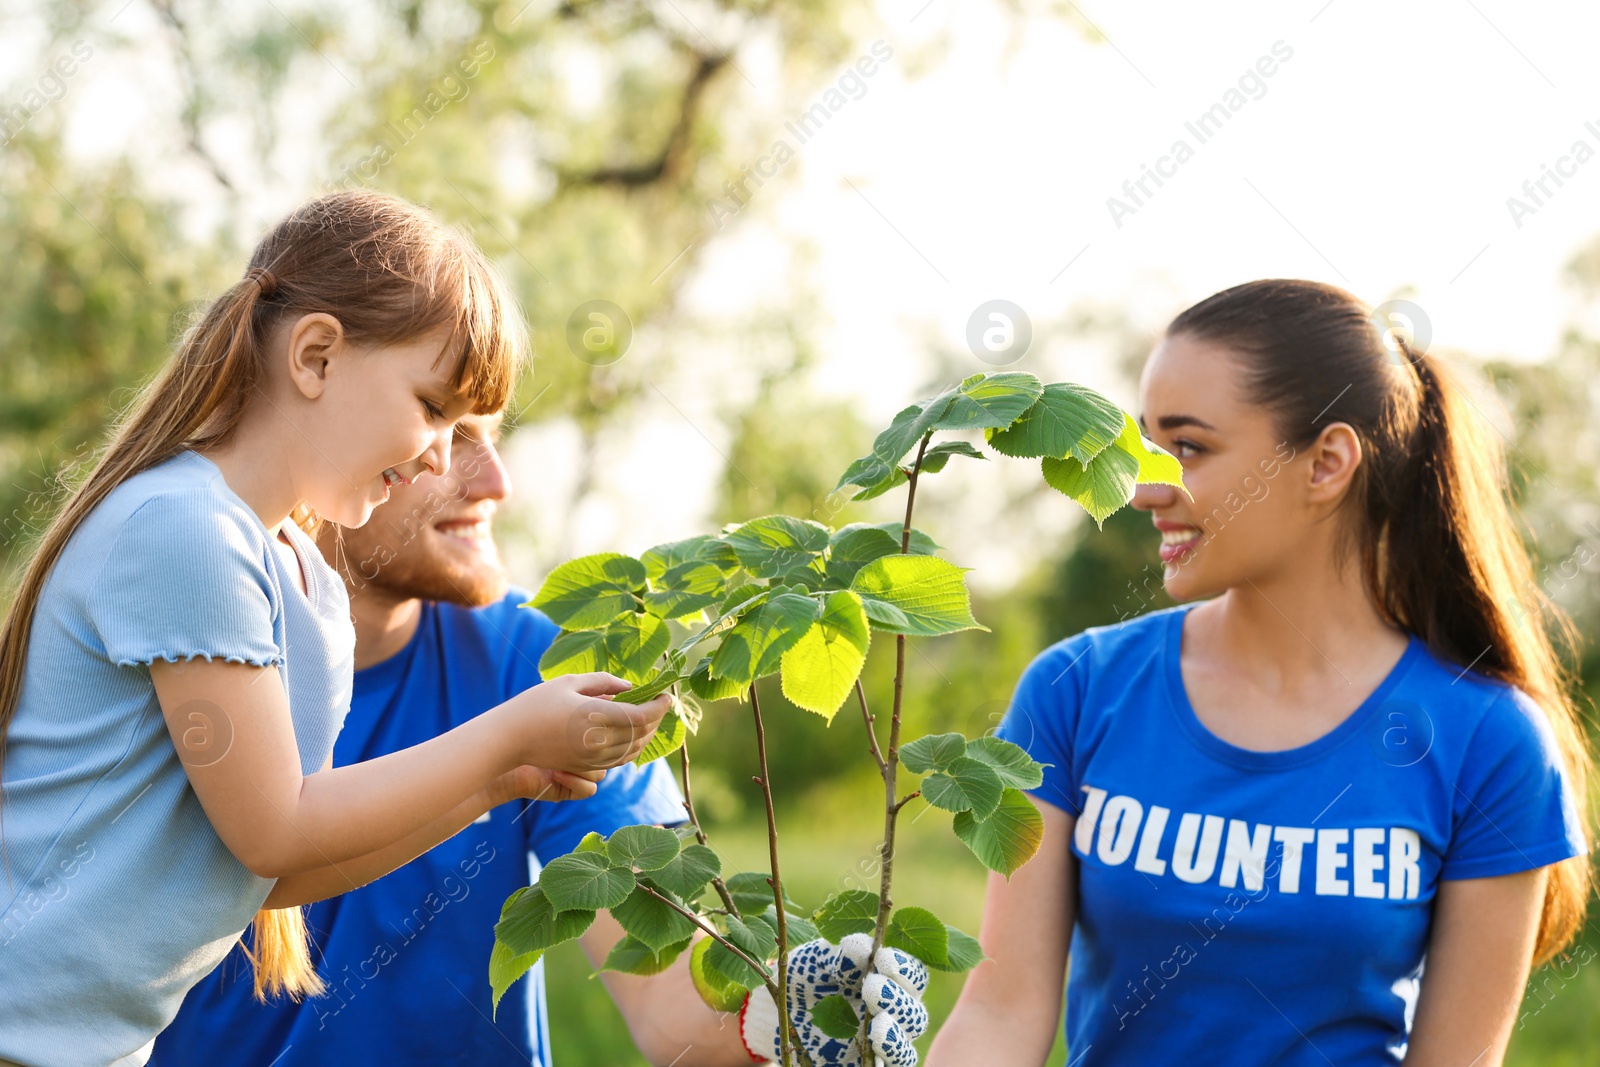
(427, 566)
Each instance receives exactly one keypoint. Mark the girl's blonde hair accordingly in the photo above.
(389, 272)
(1431, 520)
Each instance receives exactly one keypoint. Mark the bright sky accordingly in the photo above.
(1379, 155)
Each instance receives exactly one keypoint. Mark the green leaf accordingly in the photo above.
(1100, 488)
(852, 911)
(585, 880)
(908, 427)
(657, 684)
(670, 735)
(751, 894)
(934, 459)
(893, 480)
(702, 549)
(633, 645)
(1007, 839)
(505, 967)
(822, 667)
(989, 401)
(919, 932)
(801, 929)
(754, 939)
(577, 652)
(964, 953)
(921, 543)
(1016, 768)
(931, 594)
(965, 784)
(646, 848)
(688, 872)
(592, 842)
(754, 647)
(632, 956)
(1156, 465)
(590, 592)
(855, 546)
(685, 589)
(702, 685)
(530, 922)
(773, 544)
(722, 994)
(932, 752)
(835, 1017)
(689, 710)
(1066, 420)
(866, 471)
(653, 920)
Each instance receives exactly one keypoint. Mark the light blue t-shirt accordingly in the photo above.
(121, 895)
(1237, 906)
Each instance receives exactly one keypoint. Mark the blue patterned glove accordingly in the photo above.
(891, 993)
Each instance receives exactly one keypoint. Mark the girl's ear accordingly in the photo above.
(313, 341)
(1334, 455)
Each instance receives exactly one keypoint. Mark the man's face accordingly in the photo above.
(431, 540)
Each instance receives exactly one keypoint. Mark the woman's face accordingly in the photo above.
(1248, 520)
(384, 413)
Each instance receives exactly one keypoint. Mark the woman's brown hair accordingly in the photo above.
(1430, 517)
(389, 272)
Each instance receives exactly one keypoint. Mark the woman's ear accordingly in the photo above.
(314, 340)
(1334, 456)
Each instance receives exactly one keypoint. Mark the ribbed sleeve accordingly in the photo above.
(185, 579)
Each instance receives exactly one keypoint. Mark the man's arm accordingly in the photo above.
(670, 1023)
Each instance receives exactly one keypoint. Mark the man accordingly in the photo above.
(439, 639)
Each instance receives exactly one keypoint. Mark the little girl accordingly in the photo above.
(1327, 810)
(177, 660)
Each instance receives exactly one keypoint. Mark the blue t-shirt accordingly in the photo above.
(406, 957)
(120, 895)
(1237, 906)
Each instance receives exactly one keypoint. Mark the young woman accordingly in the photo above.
(1329, 814)
(177, 660)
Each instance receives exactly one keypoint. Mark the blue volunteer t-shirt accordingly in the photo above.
(406, 958)
(1237, 906)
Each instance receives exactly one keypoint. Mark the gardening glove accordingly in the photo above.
(891, 993)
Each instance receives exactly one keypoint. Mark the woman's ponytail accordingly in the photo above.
(1431, 522)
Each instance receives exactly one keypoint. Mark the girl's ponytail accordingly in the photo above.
(389, 272)
(1430, 522)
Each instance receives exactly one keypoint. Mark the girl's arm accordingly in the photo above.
(279, 822)
(1011, 1005)
(535, 783)
(1479, 955)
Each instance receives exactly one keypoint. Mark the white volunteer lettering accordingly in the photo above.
(1295, 839)
(1405, 848)
(1366, 861)
(1245, 853)
(1083, 836)
(1155, 824)
(1119, 828)
(1189, 863)
(1350, 861)
(1329, 861)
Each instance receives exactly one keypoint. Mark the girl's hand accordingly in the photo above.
(540, 783)
(571, 724)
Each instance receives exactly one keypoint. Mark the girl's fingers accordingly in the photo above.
(579, 786)
(598, 684)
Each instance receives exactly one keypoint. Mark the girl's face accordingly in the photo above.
(1250, 519)
(384, 415)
